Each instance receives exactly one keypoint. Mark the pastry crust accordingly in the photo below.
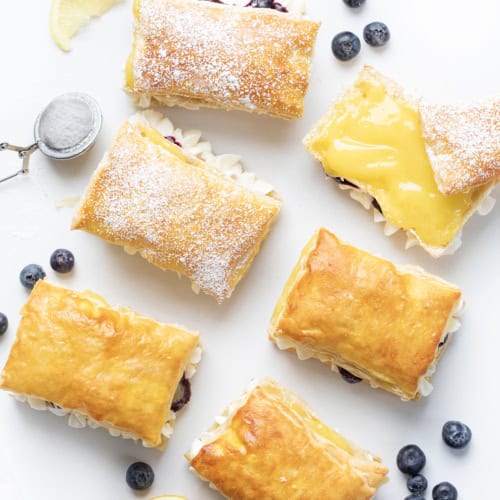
(480, 199)
(113, 365)
(152, 197)
(384, 323)
(464, 144)
(202, 54)
(272, 445)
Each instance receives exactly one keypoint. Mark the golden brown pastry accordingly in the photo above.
(195, 53)
(463, 143)
(76, 356)
(181, 208)
(388, 325)
(374, 142)
(270, 444)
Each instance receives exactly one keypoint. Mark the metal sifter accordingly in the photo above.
(65, 129)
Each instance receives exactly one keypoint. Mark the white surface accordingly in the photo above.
(447, 50)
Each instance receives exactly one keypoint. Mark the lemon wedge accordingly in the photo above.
(68, 16)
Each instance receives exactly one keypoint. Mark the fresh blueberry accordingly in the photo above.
(456, 434)
(444, 491)
(376, 34)
(417, 484)
(411, 459)
(4, 323)
(62, 260)
(345, 46)
(30, 274)
(348, 376)
(182, 394)
(354, 3)
(140, 476)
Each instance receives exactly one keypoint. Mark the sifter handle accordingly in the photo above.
(23, 152)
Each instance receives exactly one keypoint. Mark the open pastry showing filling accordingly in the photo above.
(382, 144)
(270, 444)
(162, 192)
(78, 357)
(199, 53)
(371, 320)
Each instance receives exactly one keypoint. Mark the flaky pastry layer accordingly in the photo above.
(386, 324)
(270, 444)
(109, 367)
(205, 54)
(180, 211)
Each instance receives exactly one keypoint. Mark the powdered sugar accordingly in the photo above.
(175, 212)
(191, 52)
(463, 143)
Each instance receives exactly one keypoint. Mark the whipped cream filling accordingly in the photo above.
(79, 420)
(229, 165)
(424, 387)
(365, 199)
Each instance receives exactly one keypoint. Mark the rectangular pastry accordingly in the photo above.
(270, 444)
(100, 366)
(162, 193)
(196, 53)
(376, 141)
(366, 317)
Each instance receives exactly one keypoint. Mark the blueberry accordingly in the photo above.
(4, 323)
(140, 476)
(354, 3)
(182, 394)
(444, 491)
(266, 4)
(30, 274)
(411, 459)
(348, 376)
(376, 34)
(417, 484)
(345, 45)
(456, 434)
(62, 260)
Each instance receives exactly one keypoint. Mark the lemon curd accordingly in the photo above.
(374, 140)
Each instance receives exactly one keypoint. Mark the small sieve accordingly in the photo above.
(65, 129)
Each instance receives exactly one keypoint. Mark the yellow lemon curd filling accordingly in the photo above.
(375, 140)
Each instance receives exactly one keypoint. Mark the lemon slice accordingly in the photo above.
(68, 16)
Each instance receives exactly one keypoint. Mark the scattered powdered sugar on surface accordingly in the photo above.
(464, 143)
(178, 216)
(243, 61)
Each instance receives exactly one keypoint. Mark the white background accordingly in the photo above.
(447, 51)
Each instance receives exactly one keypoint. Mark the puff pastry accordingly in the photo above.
(375, 141)
(464, 144)
(101, 366)
(181, 208)
(195, 54)
(386, 324)
(270, 444)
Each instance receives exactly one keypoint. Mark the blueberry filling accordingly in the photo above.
(345, 182)
(260, 4)
(173, 140)
(266, 4)
(376, 206)
(443, 342)
(182, 394)
(53, 405)
(348, 376)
